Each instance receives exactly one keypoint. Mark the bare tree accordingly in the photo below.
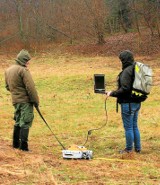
(135, 13)
(148, 15)
(157, 15)
(97, 13)
(19, 10)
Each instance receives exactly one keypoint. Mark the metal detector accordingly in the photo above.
(74, 151)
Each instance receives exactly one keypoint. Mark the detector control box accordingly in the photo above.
(77, 152)
(99, 83)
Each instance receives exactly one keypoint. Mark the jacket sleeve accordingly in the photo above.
(30, 87)
(6, 83)
(126, 81)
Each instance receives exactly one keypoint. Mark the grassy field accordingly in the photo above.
(68, 103)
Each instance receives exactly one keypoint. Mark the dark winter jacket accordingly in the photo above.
(125, 79)
(19, 81)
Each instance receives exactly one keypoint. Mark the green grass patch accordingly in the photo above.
(68, 103)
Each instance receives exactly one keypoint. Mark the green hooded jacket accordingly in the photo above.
(19, 81)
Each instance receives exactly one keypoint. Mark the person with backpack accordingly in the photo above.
(130, 106)
(24, 96)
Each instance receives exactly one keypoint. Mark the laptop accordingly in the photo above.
(99, 83)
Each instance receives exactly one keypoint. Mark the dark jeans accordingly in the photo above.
(129, 113)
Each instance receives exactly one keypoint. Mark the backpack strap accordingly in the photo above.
(117, 106)
(133, 74)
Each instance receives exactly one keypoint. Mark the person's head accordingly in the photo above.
(127, 58)
(23, 57)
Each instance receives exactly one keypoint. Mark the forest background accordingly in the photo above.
(81, 25)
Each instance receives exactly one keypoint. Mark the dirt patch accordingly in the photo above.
(37, 168)
(18, 167)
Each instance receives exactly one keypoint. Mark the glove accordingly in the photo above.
(36, 105)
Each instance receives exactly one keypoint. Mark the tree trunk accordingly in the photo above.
(157, 9)
(136, 18)
(20, 19)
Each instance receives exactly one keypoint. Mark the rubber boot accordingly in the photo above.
(16, 135)
(24, 139)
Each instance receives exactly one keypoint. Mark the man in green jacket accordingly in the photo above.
(24, 96)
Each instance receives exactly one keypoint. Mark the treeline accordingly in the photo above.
(33, 22)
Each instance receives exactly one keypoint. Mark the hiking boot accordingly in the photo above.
(137, 151)
(125, 151)
(24, 139)
(16, 134)
(24, 146)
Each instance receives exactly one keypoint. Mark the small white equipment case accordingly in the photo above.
(77, 152)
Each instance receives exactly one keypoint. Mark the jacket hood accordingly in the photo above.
(126, 58)
(23, 57)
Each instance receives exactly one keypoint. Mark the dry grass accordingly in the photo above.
(67, 101)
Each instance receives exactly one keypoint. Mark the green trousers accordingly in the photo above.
(23, 115)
